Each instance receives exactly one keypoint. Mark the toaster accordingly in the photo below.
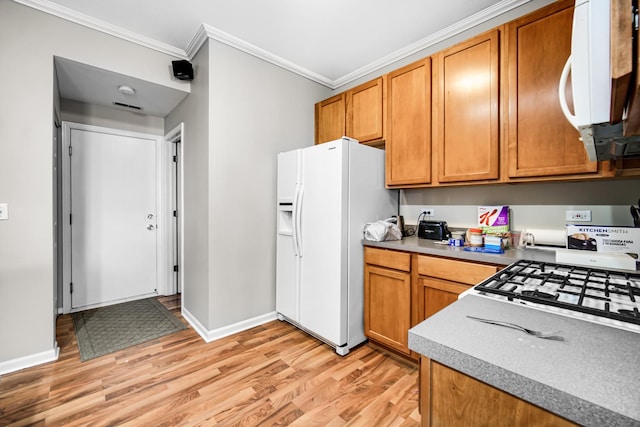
(434, 230)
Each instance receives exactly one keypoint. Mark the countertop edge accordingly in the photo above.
(553, 400)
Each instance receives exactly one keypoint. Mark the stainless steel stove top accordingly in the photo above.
(601, 296)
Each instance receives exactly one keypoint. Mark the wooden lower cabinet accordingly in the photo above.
(441, 280)
(437, 294)
(401, 289)
(387, 298)
(450, 398)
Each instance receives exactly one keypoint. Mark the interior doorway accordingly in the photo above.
(173, 140)
(117, 242)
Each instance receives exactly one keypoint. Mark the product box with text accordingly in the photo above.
(493, 219)
(608, 239)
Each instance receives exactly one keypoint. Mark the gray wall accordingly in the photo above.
(194, 112)
(31, 39)
(254, 111)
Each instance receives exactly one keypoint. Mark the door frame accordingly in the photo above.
(162, 196)
(175, 135)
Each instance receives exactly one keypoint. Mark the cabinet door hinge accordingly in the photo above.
(71, 287)
(70, 150)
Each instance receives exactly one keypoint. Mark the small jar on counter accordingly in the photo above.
(475, 237)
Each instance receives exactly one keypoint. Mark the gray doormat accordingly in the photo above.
(103, 330)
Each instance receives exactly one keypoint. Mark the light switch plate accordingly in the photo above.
(4, 211)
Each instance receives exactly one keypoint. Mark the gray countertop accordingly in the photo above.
(591, 378)
(429, 247)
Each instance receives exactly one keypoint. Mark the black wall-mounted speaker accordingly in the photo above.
(182, 70)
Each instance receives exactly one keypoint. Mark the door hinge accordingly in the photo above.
(175, 213)
(70, 222)
(70, 150)
(175, 268)
(175, 159)
(71, 287)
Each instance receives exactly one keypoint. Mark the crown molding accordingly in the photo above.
(104, 27)
(208, 32)
(448, 32)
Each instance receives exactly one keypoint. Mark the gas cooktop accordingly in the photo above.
(601, 296)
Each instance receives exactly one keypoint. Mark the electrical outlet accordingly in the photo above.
(427, 211)
(578, 216)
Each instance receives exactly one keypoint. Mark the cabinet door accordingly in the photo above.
(451, 398)
(541, 142)
(466, 110)
(330, 119)
(408, 159)
(438, 294)
(387, 306)
(365, 106)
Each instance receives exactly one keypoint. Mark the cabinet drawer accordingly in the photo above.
(454, 270)
(386, 258)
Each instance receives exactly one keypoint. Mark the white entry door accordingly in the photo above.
(113, 182)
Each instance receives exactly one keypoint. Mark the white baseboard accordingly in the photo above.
(215, 334)
(29, 361)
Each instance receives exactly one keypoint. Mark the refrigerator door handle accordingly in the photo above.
(298, 219)
(295, 220)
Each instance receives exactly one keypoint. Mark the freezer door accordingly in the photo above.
(288, 176)
(323, 273)
(286, 271)
(287, 264)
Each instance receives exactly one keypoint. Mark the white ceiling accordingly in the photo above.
(332, 38)
(330, 41)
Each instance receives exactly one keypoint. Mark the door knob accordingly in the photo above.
(150, 227)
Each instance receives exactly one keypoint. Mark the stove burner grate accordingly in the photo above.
(603, 293)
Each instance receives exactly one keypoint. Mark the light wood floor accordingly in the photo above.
(270, 375)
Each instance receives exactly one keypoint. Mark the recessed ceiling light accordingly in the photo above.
(127, 90)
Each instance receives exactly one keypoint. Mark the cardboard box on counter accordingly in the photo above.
(493, 219)
(607, 239)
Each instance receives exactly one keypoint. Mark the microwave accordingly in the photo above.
(591, 81)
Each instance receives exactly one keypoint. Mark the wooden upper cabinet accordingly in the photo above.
(365, 111)
(466, 110)
(541, 142)
(408, 146)
(330, 119)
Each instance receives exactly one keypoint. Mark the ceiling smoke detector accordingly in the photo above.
(126, 90)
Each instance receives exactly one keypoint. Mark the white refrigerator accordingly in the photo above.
(326, 194)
